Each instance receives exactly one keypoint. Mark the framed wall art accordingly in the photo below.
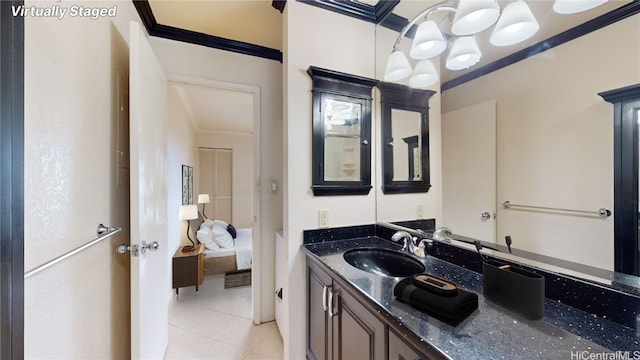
(187, 185)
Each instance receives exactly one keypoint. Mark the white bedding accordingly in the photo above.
(242, 250)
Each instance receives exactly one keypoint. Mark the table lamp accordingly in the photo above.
(189, 212)
(203, 199)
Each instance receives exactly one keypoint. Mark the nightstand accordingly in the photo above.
(188, 268)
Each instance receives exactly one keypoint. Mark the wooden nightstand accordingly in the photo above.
(188, 268)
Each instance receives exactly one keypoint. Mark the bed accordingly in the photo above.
(227, 249)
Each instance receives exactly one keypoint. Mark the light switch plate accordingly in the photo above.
(419, 211)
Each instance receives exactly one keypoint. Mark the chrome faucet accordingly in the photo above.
(442, 233)
(409, 243)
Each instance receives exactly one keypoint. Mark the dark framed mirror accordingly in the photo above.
(405, 138)
(341, 154)
(626, 109)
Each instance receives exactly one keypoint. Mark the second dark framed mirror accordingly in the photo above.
(405, 138)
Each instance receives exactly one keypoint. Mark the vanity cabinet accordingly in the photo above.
(339, 326)
(319, 327)
(399, 350)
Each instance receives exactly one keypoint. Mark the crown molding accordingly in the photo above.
(197, 38)
(279, 5)
(370, 13)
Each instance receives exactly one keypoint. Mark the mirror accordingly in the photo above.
(407, 164)
(342, 120)
(405, 138)
(554, 145)
(341, 153)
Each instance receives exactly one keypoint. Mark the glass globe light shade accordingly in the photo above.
(424, 75)
(398, 67)
(428, 41)
(515, 25)
(464, 53)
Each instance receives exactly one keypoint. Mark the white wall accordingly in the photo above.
(181, 150)
(187, 60)
(328, 40)
(73, 182)
(555, 140)
(242, 172)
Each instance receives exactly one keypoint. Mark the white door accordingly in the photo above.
(150, 286)
(469, 171)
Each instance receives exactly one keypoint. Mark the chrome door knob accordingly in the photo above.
(152, 247)
(123, 248)
(485, 215)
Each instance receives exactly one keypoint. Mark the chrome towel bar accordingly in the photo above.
(103, 233)
(602, 212)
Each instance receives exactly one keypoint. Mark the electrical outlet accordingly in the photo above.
(323, 218)
(420, 211)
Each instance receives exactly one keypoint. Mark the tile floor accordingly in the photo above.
(217, 324)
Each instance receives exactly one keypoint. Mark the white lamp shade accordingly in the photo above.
(575, 6)
(203, 198)
(398, 67)
(464, 53)
(428, 41)
(515, 25)
(473, 16)
(188, 212)
(424, 75)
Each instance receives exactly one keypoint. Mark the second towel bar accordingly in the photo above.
(602, 212)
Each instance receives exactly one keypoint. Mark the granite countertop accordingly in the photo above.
(490, 332)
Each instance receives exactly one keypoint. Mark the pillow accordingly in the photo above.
(222, 237)
(219, 222)
(232, 231)
(207, 223)
(205, 236)
(212, 245)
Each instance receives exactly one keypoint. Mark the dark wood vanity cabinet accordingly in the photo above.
(339, 326)
(399, 350)
(319, 327)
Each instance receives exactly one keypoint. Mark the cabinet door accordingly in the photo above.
(318, 325)
(357, 333)
(399, 350)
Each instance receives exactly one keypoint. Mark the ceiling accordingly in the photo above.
(216, 109)
(258, 22)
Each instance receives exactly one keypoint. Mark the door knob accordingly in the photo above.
(485, 215)
(123, 248)
(152, 247)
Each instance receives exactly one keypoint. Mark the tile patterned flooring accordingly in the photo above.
(217, 324)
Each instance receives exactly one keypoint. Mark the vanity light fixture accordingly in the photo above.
(516, 24)
(203, 199)
(575, 6)
(188, 213)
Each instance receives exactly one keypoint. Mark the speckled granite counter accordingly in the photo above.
(491, 332)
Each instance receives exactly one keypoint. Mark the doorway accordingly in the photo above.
(226, 116)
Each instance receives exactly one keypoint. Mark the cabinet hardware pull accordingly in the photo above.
(324, 298)
(331, 313)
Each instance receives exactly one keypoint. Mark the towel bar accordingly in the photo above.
(103, 233)
(602, 212)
